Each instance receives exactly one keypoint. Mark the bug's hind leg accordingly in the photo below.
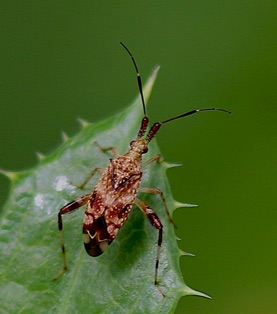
(156, 223)
(68, 208)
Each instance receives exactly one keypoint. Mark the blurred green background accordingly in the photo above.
(61, 60)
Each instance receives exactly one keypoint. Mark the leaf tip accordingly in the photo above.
(150, 83)
(188, 291)
(83, 122)
(40, 156)
(180, 204)
(11, 175)
(157, 68)
(183, 253)
(169, 165)
(65, 137)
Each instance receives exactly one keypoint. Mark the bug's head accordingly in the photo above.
(139, 146)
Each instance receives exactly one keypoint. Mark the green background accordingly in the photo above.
(61, 60)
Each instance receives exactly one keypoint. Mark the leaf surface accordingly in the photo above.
(118, 281)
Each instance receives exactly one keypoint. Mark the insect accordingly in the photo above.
(109, 204)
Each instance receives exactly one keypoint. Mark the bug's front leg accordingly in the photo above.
(68, 208)
(157, 158)
(155, 222)
(92, 173)
(99, 170)
(106, 149)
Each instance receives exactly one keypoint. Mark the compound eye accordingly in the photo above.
(132, 143)
(145, 150)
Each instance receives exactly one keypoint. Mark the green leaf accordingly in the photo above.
(119, 281)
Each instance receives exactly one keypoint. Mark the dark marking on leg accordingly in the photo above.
(155, 222)
(68, 208)
(159, 192)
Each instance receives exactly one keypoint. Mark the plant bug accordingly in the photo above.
(110, 202)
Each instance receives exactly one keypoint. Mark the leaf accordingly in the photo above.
(120, 280)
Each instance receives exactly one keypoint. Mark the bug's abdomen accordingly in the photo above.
(96, 237)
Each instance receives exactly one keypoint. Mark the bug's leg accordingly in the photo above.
(71, 206)
(106, 149)
(92, 173)
(155, 222)
(99, 170)
(160, 192)
(157, 158)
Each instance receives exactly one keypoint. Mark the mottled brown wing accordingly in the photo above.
(110, 204)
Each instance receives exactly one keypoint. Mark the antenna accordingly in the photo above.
(156, 126)
(145, 120)
(138, 77)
